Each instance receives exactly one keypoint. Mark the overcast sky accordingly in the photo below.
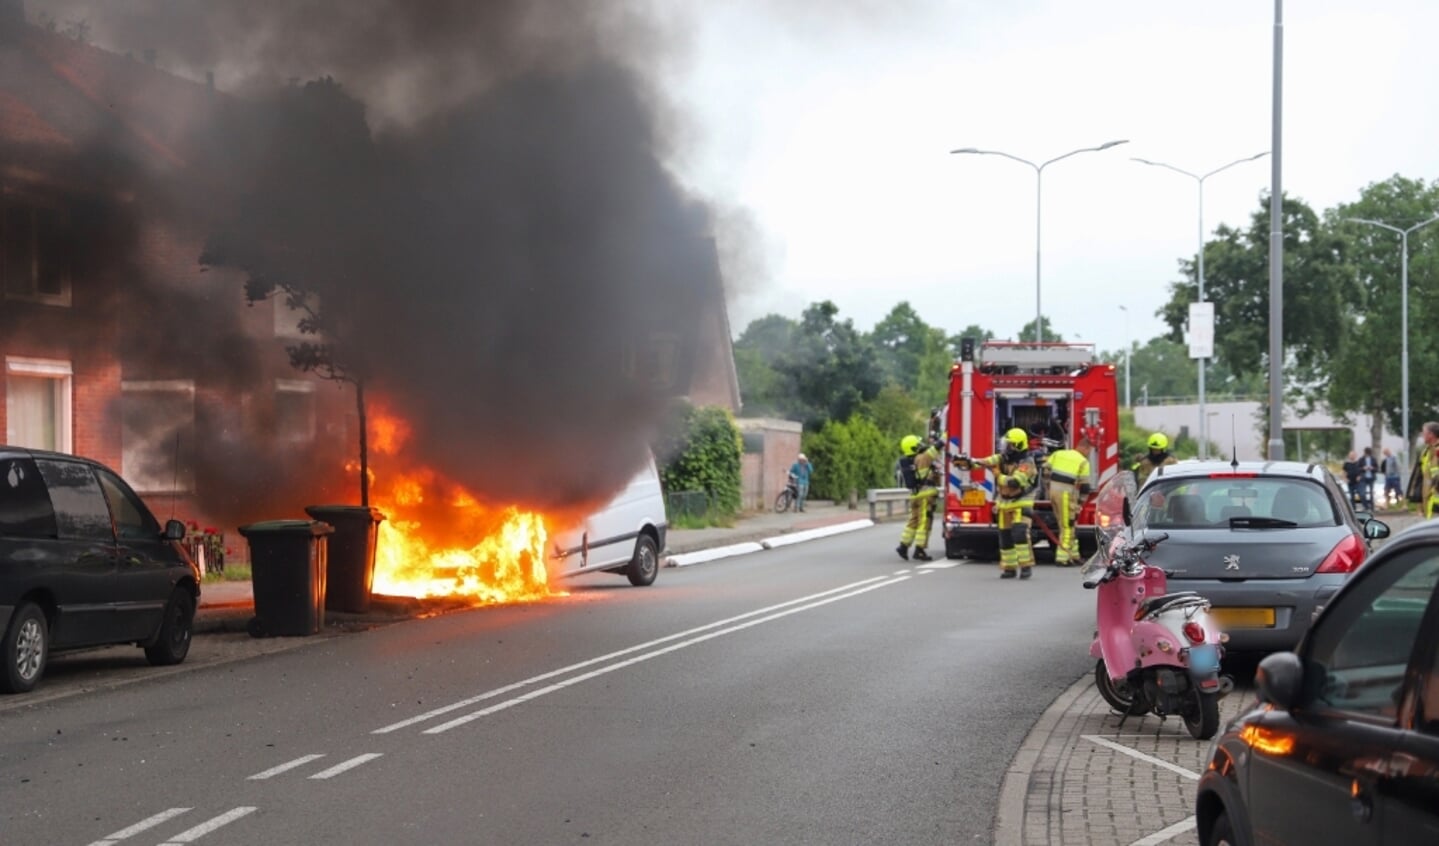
(833, 131)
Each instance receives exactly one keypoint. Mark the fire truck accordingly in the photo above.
(1053, 391)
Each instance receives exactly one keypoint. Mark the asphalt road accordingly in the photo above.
(819, 693)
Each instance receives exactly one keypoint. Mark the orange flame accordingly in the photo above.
(439, 540)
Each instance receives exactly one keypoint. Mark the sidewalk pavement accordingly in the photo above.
(228, 606)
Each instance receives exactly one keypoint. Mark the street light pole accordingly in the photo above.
(1128, 351)
(1038, 209)
(1403, 313)
(1199, 181)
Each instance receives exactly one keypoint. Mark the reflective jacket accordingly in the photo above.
(1069, 467)
(1015, 475)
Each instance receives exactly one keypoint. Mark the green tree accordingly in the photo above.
(764, 342)
(900, 339)
(1365, 370)
(1317, 293)
(831, 366)
(1027, 333)
(973, 330)
(896, 413)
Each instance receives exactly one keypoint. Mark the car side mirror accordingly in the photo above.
(1280, 679)
(1376, 529)
(174, 530)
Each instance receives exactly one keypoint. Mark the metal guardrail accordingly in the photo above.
(887, 496)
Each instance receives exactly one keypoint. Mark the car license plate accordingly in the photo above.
(1203, 658)
(1243, 618)
(973, 496)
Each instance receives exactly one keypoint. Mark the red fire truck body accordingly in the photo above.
(1052, 391)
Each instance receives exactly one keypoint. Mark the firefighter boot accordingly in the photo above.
(921, 554)
(1026, 572)
(903, 550)
(1007, 572)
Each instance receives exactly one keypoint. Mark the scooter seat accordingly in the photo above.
(1156, 603)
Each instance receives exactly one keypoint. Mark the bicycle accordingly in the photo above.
(787, 497)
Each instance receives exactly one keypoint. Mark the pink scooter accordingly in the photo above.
(1157, 652)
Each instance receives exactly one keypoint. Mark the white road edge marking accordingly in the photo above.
(1167, 833)
(500, 691)
(285, 767)
(535, 694)
(347, 765)
(937, 565)
(204, 828)
(142, 825)
(1143, 756)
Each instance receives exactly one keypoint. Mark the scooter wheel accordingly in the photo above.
(1201, 714)
(1120, 695)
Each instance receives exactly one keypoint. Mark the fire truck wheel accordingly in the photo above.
(646, 563)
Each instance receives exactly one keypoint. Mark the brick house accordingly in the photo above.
(103, 186)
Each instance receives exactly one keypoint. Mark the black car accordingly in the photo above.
(83, 562)
(1343, 747)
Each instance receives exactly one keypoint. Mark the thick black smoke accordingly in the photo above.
(496, 245)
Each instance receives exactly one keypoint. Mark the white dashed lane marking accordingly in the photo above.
(344, 766)
(143, 825)
(190, 835)
(285, 767)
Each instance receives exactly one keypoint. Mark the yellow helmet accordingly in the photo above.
(909, 444)
(1158, 442)
(1017, 438)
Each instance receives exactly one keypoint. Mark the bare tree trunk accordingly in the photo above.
(364, 444)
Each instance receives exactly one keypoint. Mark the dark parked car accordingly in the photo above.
(83, 562)
(1268, 543)
(1344, 746)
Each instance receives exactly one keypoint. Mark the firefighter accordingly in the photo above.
(1015, 478)
(1158, 457)
(1429, 469)
(919, 469)
(1068, 472)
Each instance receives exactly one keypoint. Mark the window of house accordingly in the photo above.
(37, 403)
(294, 411)
(157, 435)
(34, 258)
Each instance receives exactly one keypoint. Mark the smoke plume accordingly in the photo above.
(475, 195)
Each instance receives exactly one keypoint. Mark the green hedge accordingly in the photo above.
(704, 455)
(853, 455)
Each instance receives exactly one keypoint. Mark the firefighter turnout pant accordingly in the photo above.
(1065, 499)
(1014, 549)
(916, 529)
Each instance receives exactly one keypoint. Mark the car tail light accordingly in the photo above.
(1193, 632)
(1346, 556)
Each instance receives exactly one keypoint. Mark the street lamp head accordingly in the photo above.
(965, 150)
(1106, 145)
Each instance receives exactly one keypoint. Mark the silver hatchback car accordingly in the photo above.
(1268, 543)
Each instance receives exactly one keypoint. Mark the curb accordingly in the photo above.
(1009, 815)
(702, 556)
(812, 534)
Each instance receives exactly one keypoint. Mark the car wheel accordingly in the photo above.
(172, 644)
(1221, 833)
(1120, 695)
(26, 649)
(645, 565)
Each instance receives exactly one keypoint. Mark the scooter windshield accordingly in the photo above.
(1109, 526)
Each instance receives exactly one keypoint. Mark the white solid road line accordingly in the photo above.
(500, 691)
(143, 825)
(1167, 833)
(204, 828)
(347, 765)
(535, 694)
(1143, 756)
(285, 767)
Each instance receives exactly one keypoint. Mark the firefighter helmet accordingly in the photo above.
(1017, 438)
(909, 444)
(1158, 442)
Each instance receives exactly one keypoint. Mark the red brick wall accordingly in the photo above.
(763, 474)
